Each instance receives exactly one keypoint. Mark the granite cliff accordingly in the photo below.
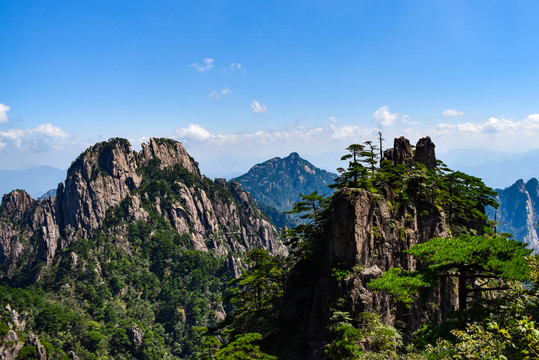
(518, 213)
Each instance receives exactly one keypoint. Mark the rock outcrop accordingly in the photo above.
(401, 153)
(424, 153)
(33, 340)
(10, 346)
(108, 175)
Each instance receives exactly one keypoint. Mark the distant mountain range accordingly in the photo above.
(278, 183)
(497, 169)
(35, 181)
(518, 213)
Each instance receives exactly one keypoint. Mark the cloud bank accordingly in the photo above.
(36, 139)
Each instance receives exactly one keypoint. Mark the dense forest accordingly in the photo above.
(432, 280)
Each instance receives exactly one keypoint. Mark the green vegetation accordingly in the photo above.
(477, 262)
(138, 290)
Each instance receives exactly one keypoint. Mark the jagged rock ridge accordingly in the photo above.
(518, 213)
(213, 215)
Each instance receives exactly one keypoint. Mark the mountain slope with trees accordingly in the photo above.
(401, 254)
(128, 261)
(141, 257)
(278, 183)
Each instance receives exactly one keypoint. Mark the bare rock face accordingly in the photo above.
(402, 152)
(369, 237)
(101, 177)
(169, 153)
(424, 153)
(366, 235)
(18, 321)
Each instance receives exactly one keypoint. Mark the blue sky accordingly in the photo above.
(239, 82)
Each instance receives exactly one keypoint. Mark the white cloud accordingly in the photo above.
(333, 120)
(237, 67)
(207, 64)
(51, 131)
(406, 121)
(452, 113)
(494, 133)
(2, 145)
(3, 113)
(349, 133)
(258, 108)
(35, 135)
(384, 117)
(495, 125)
(193, 132)
(219, 94)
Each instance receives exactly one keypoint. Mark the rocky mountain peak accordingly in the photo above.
(278, 183)
(161, 183)
(101, 177)
(293, 156)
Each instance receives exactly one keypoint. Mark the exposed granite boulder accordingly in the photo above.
(402, 152)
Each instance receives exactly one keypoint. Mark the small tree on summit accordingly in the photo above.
(355, 175)
(370, 156)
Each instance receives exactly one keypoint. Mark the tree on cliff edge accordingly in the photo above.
(478, 263)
